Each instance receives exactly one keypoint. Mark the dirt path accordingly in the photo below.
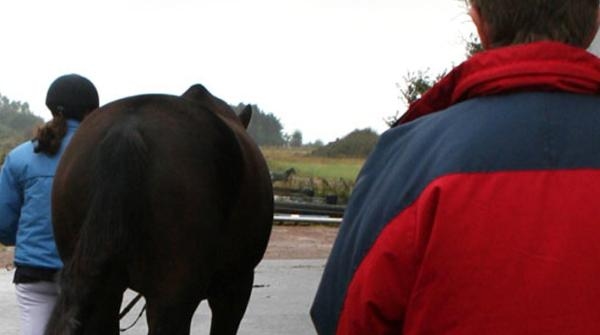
(287, 242)
(300, 242)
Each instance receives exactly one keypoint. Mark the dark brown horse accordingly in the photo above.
(167, 196)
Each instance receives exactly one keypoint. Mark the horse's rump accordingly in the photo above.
(162, 194)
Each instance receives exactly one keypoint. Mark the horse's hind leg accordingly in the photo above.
(170, 319)
(104, 318)
(228, 301)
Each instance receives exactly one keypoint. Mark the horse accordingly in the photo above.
(282, 176)
(165, 195)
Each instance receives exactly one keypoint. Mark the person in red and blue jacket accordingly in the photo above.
(479, 212)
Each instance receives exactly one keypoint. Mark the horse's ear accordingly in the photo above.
(197, 93)
(246, 115)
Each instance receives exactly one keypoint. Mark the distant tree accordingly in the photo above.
(315, 144)
(296, 139)
(358, 143)
(16, 115)
(17, 123)
(473, 45)
(265, 129)
(287, 138)
(417, 83)
(8, 106)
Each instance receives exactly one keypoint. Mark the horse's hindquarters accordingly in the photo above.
(172, 194)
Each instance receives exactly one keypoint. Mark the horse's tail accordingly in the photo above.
(116, 204)
(118, 196)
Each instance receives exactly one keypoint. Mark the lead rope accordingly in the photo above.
(128, 308)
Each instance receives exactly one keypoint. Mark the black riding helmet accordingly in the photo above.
(73, 96)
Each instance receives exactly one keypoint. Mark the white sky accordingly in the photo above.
(324, 67)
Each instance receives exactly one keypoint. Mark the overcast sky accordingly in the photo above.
(324, 67)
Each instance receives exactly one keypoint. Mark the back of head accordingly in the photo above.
(510, 22)
(73, 96)
(69, 97)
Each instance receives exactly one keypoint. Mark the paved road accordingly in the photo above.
(283, 293)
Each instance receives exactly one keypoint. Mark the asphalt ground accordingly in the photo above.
(280, 302)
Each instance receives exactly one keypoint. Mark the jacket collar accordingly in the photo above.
(72, 123)
(539, 66)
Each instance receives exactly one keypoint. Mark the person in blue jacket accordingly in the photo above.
(25, 188)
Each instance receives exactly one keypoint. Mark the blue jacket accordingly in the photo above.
(25, 191)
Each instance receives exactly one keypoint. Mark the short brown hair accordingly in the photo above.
(522, 21)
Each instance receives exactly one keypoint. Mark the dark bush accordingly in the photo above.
(357, 144)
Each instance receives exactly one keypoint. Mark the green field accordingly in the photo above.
(281, 159)
(322, 175)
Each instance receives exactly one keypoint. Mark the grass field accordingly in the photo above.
(323, 176)
(281, 159)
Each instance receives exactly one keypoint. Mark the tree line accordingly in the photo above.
(266, 129)
(17, 124)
